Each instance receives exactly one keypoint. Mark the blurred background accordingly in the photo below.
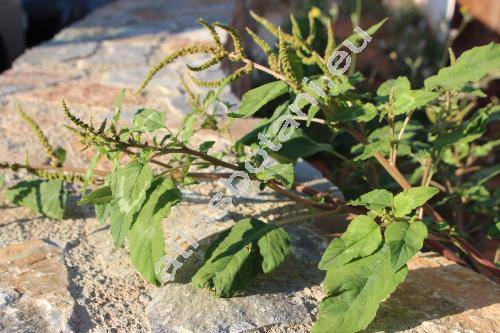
(25, 23)
(419, 32)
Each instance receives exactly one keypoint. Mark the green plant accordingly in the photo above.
(364, 266)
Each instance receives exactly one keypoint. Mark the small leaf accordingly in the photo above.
(2, 180)
(148, 120)
(101, 195)
(248, 248)
(47, 197)
(494, 231)
(283, 173)
(361, 239)
(375, 200)
(355, 37)
(412, 198)
(471, 66)
(468, 131)
(253, 100)
(405, 240)
(60, 154)
(205, 146)
(380, 146)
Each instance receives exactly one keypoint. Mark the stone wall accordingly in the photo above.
(65, 276)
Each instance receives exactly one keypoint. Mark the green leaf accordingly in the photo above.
(412, 198)
(399, 85)
(361, 239)
(146, 241)
(301, 146)
(468, 131)
(188, 126)
(283, 173)
(102, 212)
(355, 291)
(2, 180)
(375, 200)
(120, 223)
(405, 240)
(380, 146)
(133, 180)
(148, 120)
(360, 113)
(311, 113)
(471, 66)
(253, 100)
(60, 154)
(481, 177)
(47, 197)
(494, 231)
(205, 146)
(355, 37)
(101, 195)
(412, 100)
(249, 248)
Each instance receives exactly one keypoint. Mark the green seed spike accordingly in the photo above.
(54, 161)
(312, 15)
(214, 33)
(206, 65)
(330, 43)
(260, 42)
(295, 27)
(188, 50)
(206, 84)
(296, 42)
(286, 66)
(307, 60)
(238, 45)
(74, 119)
(189, 91)
(232, 77)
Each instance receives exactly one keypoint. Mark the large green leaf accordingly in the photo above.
(249, 248)
(361, 113)
(301, 146)
(361, 239)
(120, 223)
(398, 86)
(132, 182)
(148, 120)
(375, 200)
(405, 240)
(146, 241)
(47, 197)
(412, 99)
(253, 100)
(412, 198)
(471, 66)
(355, 291)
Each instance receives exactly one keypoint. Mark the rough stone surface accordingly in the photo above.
(93, 287)
(34, 295)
